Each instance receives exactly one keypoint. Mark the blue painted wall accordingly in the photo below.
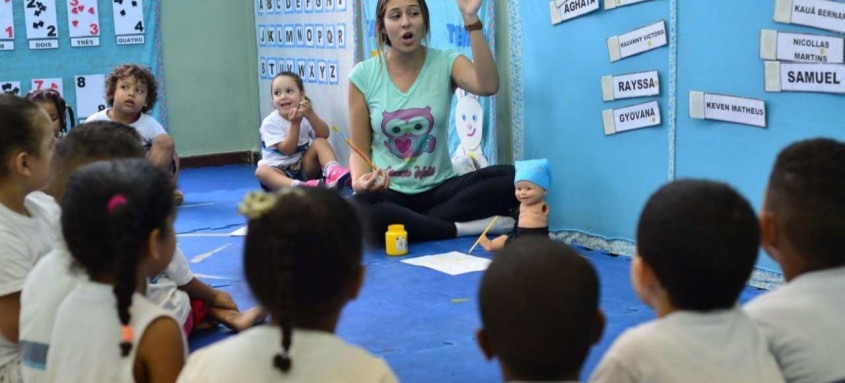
(601, 182)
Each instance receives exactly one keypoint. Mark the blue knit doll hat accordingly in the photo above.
(536, 171)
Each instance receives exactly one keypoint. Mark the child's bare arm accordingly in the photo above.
(321, 128)
(161, 352)
(10, 307)
(291, 141)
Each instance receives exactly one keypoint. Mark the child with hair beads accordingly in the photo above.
(304, 281)
(117, 220)
(131, 92)
(294, 141)
(536, 338)
(52, 102)
(26, 148)
(193, 302)
(803, 220)
(532, 181)
(697, 242)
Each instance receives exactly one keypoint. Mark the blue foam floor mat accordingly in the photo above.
(421, 321)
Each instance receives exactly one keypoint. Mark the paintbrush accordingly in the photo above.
(355, 148)
(483, 233)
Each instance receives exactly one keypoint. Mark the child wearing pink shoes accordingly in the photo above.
(294, 146)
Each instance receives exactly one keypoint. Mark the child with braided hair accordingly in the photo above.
(51, 101)
(117, 221)
(304, 281)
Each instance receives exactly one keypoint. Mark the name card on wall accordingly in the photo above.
(562, 10)
(637, 41)
(610, 4)
(630, 85)
(801, 47)
(739, 110)
(794, 77)
(822, 14)
(631, 117)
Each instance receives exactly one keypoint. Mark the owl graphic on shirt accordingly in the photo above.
(408, 132)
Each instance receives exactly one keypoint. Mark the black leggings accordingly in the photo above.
(431, 215)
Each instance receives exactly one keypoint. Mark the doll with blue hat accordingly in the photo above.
(532, 181)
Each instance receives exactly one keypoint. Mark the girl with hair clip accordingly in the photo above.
(26, 149)
(117, 220)
(304, 281)
(52, 102)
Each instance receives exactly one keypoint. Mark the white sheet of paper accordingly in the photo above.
(819, 14)
(643, 39)
(452, 263)
(825, 78)
(610, 4)
(128, 17)
(740, 110)
(48, 83)
(7, 26)
(89, 94)
(239, 233)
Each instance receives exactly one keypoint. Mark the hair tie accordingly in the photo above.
(115, 201)
(126, 330)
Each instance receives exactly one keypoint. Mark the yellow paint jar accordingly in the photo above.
(396, 240)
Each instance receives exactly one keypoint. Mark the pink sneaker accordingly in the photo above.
(338, 177)
(311, 184)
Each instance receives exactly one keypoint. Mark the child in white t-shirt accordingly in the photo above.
(697, 242)
(803, 219)
(117, 221)
(304, 281)
(26, 148)
(295, 150)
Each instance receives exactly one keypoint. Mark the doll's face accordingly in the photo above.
(528, 192)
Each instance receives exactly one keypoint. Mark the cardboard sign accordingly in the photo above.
(822, 14)
(637, 41)
(562, 10)
(801, 47)
(610, 4)
(630, 85)
(739, 110)
(631, 117)
(794, 77)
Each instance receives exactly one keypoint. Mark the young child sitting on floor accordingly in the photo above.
(536, 338)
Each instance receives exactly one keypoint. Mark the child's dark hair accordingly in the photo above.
(94, 141)
(20, 120)
(141, 74)
(301, 258)
(295, 77)
(381, 12)
(701, 238)
(109, 210)
(53, 96)
(807, 191)
(539, 309)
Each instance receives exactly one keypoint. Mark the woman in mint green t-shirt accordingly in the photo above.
(399, 105)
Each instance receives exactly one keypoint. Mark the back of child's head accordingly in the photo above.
(52, 96)
(302, 257)
(94, 141)
(807, 192)
(539, 309)
(141, 74)
(109, 210)
(701, 238)
(22, 128)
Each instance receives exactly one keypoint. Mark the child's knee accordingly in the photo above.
(261, 172)
(164, 142)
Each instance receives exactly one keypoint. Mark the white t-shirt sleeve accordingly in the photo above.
(195, 369)
(273, 130)
(99, 116)
(15, 263)
(178, 270)
(611, 370)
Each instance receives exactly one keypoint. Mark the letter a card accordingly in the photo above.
(89, 94)
(129, 21)
(83, 20)
(7, 26)
(41, 30)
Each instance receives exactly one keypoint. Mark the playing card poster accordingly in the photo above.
(472, 133)
(70, 45)
(315, 39)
